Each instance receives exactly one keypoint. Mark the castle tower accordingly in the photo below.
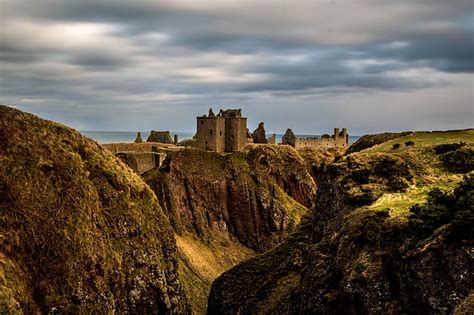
(336, 135)
(210, 133)
(345, 137)
(235, 130)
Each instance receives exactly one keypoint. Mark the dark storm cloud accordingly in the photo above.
(150, 55)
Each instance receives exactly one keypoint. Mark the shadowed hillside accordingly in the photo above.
(225, 208)
(80, 231)
(391, 233)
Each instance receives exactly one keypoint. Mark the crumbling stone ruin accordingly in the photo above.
(224, 132)
(227, 132)
(139, 139)
(337, 140)
(259, 134)
(160, 136)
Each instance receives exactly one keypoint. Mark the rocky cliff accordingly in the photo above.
(230, 206)
(368, 247)
(80, 232)
(255, 197)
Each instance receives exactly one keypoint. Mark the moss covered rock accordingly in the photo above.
(80, 232)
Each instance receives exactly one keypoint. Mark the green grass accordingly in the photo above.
(427, 168)
(400, 203)
(423, 140)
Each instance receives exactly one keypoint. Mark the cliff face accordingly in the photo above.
(224, 208)
(366, 247)
(254, 197)
(80, 231)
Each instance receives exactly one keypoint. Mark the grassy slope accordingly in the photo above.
(427, 168)
(349, 245)
(79, 230)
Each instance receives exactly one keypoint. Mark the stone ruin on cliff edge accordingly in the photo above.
(224, 132)
(158, 136)
(227, 132)
(337, 140)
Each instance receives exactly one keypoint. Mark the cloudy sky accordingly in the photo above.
(368, 65)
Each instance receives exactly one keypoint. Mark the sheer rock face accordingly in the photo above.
(349, 259)
(259, 134)
(80, 231)
(256, 197)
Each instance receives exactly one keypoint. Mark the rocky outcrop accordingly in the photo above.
(353, 257)
(80, 232)
(258, 134)
(256, 197)
(226, 208)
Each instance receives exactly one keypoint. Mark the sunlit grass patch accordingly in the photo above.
(399, 203)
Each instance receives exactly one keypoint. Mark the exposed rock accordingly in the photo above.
(259, 134)
(80, 232)
(228, 207)
(256, 197)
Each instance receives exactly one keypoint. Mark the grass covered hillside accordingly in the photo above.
(80, 232)
(391, 233)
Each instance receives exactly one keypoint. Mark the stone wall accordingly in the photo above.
(235, 133)
(337, 140)
(142, 162)
(210, 133)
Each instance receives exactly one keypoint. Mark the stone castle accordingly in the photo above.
(227, 132)
(224, 132)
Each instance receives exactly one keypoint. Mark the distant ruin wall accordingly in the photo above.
(142, 162)
(337, 140)
(320, 143)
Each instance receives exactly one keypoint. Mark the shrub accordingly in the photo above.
(396, 146)
(448, 147)
(442, 208)
(460, 160)
(410, 144)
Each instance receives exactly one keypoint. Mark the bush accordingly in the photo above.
(442, 208)
(460, 160)
(448, 147)
(396, 146)
(410, 144)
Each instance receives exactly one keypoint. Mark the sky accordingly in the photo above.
(366, 65)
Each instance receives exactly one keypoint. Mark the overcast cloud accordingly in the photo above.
(366, 65)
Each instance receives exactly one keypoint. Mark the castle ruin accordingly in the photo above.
(227, 132)
(337, 140)
(224, 132)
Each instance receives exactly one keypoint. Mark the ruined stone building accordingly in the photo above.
(337, 140)
(224, 132)
(259, 135)
(160, 136)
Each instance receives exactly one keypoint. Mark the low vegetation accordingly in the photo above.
(81, 233)
(391, 233)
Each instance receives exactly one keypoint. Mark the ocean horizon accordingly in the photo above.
(129, 136)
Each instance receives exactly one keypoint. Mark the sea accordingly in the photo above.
(129, 136)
